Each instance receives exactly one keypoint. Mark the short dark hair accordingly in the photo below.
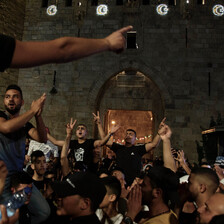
(165, 179)
(82, 125)
(15, 87)
(209, 176)
(132, 131)
(36, 154)
(112, 185)
(20, 177)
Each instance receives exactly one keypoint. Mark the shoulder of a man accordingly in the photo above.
(3, 114)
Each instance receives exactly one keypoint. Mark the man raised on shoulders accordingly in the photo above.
(128, 156)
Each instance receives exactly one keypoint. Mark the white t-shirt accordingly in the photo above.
(117, 219)
(48, 149)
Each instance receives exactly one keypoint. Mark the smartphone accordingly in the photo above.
(131, 40)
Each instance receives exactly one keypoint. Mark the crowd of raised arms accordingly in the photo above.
(68, 180)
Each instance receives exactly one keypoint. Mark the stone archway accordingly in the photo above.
(131, 90)
(127, 91)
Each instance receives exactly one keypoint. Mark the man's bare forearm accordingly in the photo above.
(11, 125)
(168, 159)
(41, 129)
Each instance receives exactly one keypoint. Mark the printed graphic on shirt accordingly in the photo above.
(79, 154)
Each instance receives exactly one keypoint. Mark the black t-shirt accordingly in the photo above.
(7, 47)
(40, 184)
(83, 152)
(129, 159)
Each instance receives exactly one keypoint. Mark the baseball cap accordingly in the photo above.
(219, 161)
(85, 184)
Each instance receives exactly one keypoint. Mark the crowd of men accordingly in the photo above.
(73, 185)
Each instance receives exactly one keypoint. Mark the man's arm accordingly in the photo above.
(181, 159)
(55, 141)
(107, 137)
(11, 125)
(65, 49)
(99, 125)
(168, 159)
(64, 152)
(3, 175)
(39, 133)
(152, 145)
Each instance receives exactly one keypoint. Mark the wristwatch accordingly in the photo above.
(127, 220)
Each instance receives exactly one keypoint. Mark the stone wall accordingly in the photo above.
(177, 53)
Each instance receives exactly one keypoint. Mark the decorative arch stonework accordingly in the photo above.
(104, 81)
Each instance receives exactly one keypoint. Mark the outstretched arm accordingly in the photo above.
(55, 141)
(65, 49)
(152, 145)
(107, 137)
(64, 152)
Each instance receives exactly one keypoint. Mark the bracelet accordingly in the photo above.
(127, 220)
(110, 134)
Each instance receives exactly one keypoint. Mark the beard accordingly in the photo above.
(14, 110)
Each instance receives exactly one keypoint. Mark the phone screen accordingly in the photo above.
(131, 40)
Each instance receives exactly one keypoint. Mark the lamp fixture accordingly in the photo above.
(54, 90)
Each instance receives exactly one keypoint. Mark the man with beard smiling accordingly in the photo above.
(14, 128)
(128, 156)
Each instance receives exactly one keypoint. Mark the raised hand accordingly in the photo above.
(165, 132)
(8, 220)
(37, 105)
(134, 203)
(161, 128)
(70, 126)
(116, 40)
(219, 171)
(180, 157)
(96, 117)
(114, 128)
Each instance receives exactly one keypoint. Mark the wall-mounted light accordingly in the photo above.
(54, 90)
(162, 9)
(218, 10)
(102, 10)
